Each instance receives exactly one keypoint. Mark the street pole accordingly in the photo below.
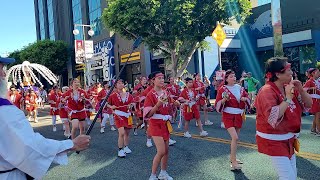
(85, 60)
(219, 56)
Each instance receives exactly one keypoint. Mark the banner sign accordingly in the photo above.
(79, 51)
(88, 49)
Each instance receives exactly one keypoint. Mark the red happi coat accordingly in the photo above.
(30, 102)
(190, 112)
(232, 116)
(157, 127)
(16, 99)
(101, 95)
(54, 108)
(201, 92)
(268, 121)
(174, 90)
(122, 107)
(75, 105)
(63, 108)
(315, 94)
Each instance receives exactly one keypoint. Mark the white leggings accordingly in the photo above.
(54, 119)
(105, 118)
(285, 167)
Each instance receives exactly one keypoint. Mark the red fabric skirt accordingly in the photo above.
(31, 108)
(192, 113)
(275, 148)
(79, 115)
(158, 128)
(232, 120)
(201, 101)
(52, 112)
(121, 122)
(63, 113)
(315, 106)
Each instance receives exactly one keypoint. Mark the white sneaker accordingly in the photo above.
(172, 142)
(36, 120)
(63, 127)
(222, 125)
(127, 150)
(54, 129)
(208, 123)
(153, 177)
(102, 130)
(149, 143)
(196, 123)
(135, 132)
(113, 129)
(204, 133)
(121, 153)
(164, 175)
(142, 126)
(187, 134)
(29, 119)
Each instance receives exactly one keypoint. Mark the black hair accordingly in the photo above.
(153, 74)
(228, 72)
(275, 65)
(105, 82)
(195, 74)
(188, 79)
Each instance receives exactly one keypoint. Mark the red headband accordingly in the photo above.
(159, 75)
(288, 66)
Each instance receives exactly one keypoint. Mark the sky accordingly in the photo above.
(17, 21)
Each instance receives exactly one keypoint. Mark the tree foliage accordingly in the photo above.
(176, 27)
(52, 54)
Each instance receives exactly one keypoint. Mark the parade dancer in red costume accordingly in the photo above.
(279, 106)
(232, 101)
(76, 99)
(190, 109)
(156, 108)
(63, 112)
(139, 100)
(174, 90)
(31, 105)
(145, 119)
(15, 98)
(54, 106)
(312, 86)
(121, 103)
(200, 87)
(106, 112)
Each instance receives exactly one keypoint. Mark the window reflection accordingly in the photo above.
(77, 17)
(95, 16)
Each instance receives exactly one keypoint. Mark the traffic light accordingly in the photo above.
(80, 67)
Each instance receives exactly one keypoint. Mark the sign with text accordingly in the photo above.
(79, 51)
(88, 48)
(134, 57)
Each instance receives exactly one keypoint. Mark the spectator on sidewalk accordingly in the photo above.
(252, 86)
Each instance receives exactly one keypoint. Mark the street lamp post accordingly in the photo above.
(90, 33)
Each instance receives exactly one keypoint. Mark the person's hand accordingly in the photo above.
(113, 107)
(298, 85)
(81, 143)
(289, 91)
(243, 99)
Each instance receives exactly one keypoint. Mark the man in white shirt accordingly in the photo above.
(25, 154)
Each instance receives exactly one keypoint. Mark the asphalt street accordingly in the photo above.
(195, 158)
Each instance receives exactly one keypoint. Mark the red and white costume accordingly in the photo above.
(16, 99)
(63, 108)
(190, 110)
(76, 104)
(30, 102)
(201, 92)
(54, 107)
(233, 109)
(122, 112)
(139, 99)
(314, 93)
(276, 135)
(158, 121)
(101, 95)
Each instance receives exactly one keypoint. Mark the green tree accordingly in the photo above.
(52, 54)
(176, 27)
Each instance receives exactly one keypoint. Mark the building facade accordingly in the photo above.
(247, 47)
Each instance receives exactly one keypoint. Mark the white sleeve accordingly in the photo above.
(28, 151)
